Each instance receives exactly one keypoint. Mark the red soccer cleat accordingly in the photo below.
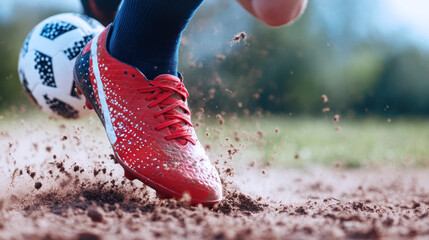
(148, 124)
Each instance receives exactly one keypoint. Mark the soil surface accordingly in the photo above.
(62, 183)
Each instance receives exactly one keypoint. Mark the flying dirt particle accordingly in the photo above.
(88, 236)
(246, 112)
(32, 174)
(112, 157)
(96, 172)
(276, 130)
(325, 98)
(389, 120)
(228, 91)
(240, 105)
(220, 119)
(95, 215)
(236, 136)
(336, 118)
(212, 92)
(386, 108)
(64, 138)
(338, 128)
(263, 172)
(301, 210)
(37, 185)
(207, 134)
(232, 152)
(239, 36)
(263, 53)
(48, 149)
(220, 57)
(59, 165)
(199, 115)
(229, 172)
(76, 168)
(326, 109)
(54, 156)
(243, 35)
(252, 164)
(192, 64)
(5, 133)
(416, 205)
(296, 156)
(260, 134)
(207, 147)
(256, 96)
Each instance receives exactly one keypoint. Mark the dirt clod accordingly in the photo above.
(88, 236)
(37, 185)
(95, 215)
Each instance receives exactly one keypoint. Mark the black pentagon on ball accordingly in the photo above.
(44, 66)
(77, 46)
(55, 29)
(61, 108)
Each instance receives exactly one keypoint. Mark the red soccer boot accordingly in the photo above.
(148, 124)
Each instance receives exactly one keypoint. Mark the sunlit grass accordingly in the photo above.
(301, 142)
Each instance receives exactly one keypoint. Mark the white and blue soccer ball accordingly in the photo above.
(46, 63)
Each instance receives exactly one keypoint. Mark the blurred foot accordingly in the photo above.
(102, 10)
(275, 12)
(148, 124)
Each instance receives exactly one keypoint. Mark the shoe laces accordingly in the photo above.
(169, 94)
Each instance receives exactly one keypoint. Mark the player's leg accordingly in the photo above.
(275, 12)
(102, 10)
(128, 75)
(146, 34)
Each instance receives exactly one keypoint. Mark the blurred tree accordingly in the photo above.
(333, 49)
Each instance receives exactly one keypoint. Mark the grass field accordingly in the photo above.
(299, 142)
(289, 141)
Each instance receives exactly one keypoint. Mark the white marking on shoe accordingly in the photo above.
(104, 107)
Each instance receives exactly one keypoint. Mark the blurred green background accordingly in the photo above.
(368, 57)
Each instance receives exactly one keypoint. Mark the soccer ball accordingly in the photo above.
(46, 63)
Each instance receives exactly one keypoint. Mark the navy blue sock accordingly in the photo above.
(146, 34)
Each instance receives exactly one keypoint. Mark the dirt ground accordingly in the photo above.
(61, 183)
